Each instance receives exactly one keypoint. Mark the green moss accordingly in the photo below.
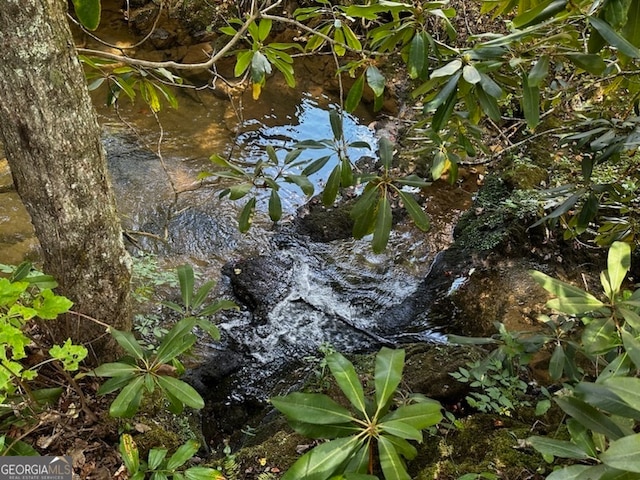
(498, 213)
(277, 453)
(484, 443)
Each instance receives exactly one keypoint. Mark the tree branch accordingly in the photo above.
(175, 65)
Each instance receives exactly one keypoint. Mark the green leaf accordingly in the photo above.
(613, 38)
(128, 400)
(632, 347)
(605, 397)
(202, 293)
(202, 473)
(618, 264)
(176, 341)
(275, 206)
(310, 430)
(403, 447)
(336, 124)
(388, 373)
(630, 317)
(386, 152)
(181, 390)
(69, 354)
(347, 379)
(631, 29)
(312, 168)
(419, 415)
(539, 13)
(557, 448)
(52, 305)
(627, 388)
(358, 464)
(449, 69)
(581, 436)
(88, 12)
(623, 453)
(556, 363)
(156, 456)
(391, 463)
(383, 225)
(129, 452)
(351, 38)
(331, 188)
(530, 102)
(246, 215)
(590, 417)
(128, 342)
(589, 62)
(471, 74)
(415, 211)
(401, 429)
(599, 336)
(417, 60)
(182, 454)
(490, 87)
(574, 472)
(461, 340)
(264, 28)
(346, 173)
(489, 104)
(539, 71)
(375, 80)
(303, 181)
(413, 180)
(355, 94)
(187, 281)
(444, 111)
(115, 383)
(314, 408)
(571, 299)
(323, 461)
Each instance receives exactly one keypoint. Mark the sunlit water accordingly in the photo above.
(335, 293)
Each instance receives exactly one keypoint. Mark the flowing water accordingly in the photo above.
(308, 293)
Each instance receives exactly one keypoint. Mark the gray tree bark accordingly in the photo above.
(52, 142)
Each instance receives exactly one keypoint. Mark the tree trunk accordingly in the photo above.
(52, 142)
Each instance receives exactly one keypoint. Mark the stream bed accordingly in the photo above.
(297, 292)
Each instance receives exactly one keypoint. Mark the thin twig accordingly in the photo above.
(170, 63)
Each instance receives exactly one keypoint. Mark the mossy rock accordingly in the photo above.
(497, 219)
(525, 176)
(483, 443)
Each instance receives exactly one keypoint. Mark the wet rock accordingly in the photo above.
(260, 282)
(428, 367)
(325, 224)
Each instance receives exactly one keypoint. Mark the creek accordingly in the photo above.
(297, 292)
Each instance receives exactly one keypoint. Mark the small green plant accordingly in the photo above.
(148, 276)
(498, 378)
(497, 389)
(25, 296)
(193, 301)
(355, 437)
(144, 370)
(603, 413)
(159, 467)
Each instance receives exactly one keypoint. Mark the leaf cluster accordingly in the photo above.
(143, 370)
(24, 296)
(603, 413)
(161, 467)
(152, 85)
(356, 437)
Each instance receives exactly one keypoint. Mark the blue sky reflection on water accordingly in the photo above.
(310, 121)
